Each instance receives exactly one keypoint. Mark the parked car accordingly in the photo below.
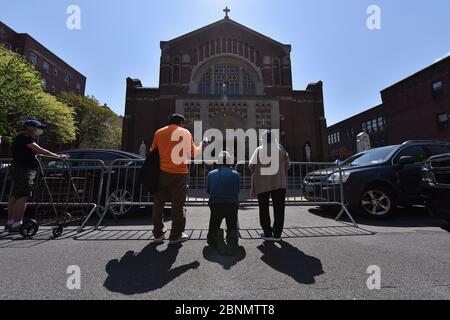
(105, 155)
(375, 182)
(436, 185)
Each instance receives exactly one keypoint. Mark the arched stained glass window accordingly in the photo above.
(204, 87)
(226, 79)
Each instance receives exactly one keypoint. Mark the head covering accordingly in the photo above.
(35, 124)
(268, 137)
(225, 158)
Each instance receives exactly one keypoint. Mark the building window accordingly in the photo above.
(53, 88)
(369, 127)
(204, 87)
(46, 67)
(437, 88)
(44, 84)
(248, 85)
(276, 72)
(334, 138)
(8, 45)
(225, 79)
(176, 70)
(18, 50)
(66, 80)
(381, 123)
(55, 72)
(443, 120)
(374, 125)
(78, 87)
(33, 58)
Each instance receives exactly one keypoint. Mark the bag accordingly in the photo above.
(149, 175)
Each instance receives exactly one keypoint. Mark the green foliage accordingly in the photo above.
(97, 124)
(22, 97)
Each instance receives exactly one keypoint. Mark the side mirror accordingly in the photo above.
(406, 160)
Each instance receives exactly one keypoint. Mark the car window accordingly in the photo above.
(373, 156)
(106, 157)
(417, 152)
(76, 155)
(436, 149)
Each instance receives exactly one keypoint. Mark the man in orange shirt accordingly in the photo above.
(176, 146)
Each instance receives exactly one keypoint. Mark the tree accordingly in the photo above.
(96, 124)
(22, 97)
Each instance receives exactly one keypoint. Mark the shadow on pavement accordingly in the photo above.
(287, 259)
(404, 217)
(227, 262)
(145, 271)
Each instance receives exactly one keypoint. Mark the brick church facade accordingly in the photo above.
(228, 77)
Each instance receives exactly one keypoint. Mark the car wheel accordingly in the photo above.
(121, 209)
(377, 202)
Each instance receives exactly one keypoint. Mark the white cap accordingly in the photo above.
(225, 158)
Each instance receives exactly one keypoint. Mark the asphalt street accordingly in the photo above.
(318, 259)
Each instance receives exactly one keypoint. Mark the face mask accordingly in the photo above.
(38, 132)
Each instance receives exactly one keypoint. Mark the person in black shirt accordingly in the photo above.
(23, 171)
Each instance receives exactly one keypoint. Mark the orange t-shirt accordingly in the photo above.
(175, 145)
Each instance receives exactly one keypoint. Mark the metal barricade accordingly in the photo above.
(65, 191)
(197, 194)
(5, 183)
(124, 190)
(77, 186)
(308, 184)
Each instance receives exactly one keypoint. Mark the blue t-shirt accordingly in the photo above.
(223, 186)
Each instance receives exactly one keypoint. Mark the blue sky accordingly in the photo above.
(330, 40)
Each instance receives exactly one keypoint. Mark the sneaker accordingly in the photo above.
(7, 227)
(15, 229)
(266, 237)
(183, 238)
(160, 240)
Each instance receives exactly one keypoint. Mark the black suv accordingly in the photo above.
(436, 185)
(377, 181)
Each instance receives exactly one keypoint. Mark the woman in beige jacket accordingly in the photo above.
(269, 166)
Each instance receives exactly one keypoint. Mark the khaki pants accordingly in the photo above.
(170, 186)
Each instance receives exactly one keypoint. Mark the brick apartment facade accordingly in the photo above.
(416, 108)
(342, 136)
(255, 71)
(57, 75)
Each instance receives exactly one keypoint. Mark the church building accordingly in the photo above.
(229, 77)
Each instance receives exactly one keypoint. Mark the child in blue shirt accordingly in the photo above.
(223, 189)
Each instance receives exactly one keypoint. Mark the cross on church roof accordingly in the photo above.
(226, 10)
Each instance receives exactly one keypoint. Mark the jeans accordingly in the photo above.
(279, 204)
(220, 211)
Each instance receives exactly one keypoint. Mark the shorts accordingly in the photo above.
(22, 181)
